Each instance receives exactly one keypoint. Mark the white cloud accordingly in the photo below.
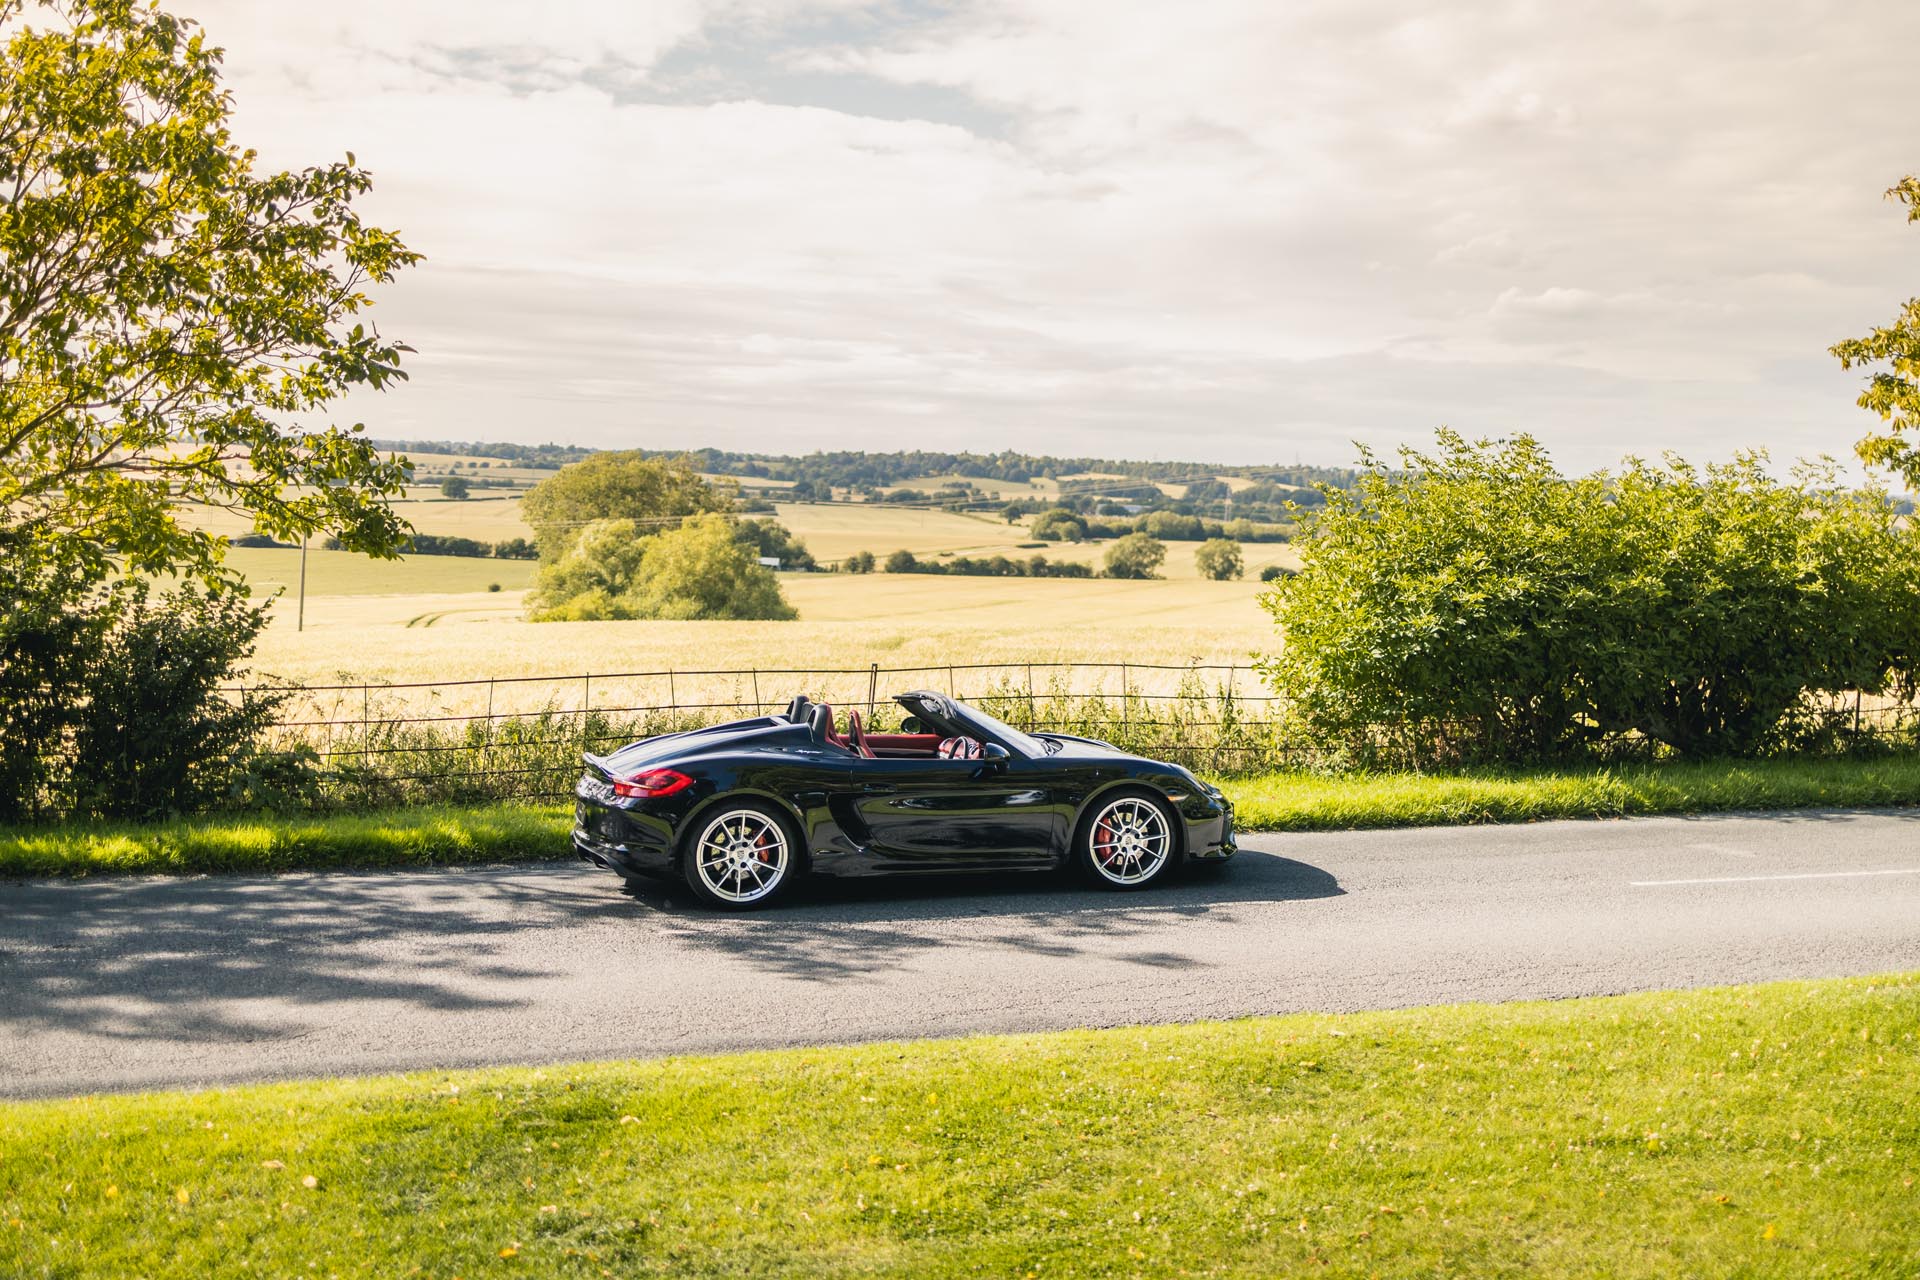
(1225, 228)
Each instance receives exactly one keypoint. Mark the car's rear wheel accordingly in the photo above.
(741, 857)
(1127, 843)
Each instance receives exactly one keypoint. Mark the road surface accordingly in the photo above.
(115, 984)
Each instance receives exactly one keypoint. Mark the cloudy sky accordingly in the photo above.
(1235, 230)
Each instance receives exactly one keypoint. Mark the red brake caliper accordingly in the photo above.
(1104, 834)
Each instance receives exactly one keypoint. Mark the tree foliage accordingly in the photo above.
(169, 318)
(1505, 610)
(1893, 392)
(1220, 559)
(617, 569)
(1135, 556)
(655, 493)
(113, 699)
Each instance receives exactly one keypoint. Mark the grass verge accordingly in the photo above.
(422, 837)
(1745, 1131)
(1303, 802)
(450, 836)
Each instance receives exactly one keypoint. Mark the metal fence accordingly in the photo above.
(521, 737)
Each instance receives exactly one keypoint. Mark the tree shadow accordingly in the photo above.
(222, 959)
(834, 930)
(181, 959)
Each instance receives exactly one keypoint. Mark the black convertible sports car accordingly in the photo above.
(743, 810)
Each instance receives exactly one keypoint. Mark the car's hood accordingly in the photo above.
(668, 746)
(1077, 747)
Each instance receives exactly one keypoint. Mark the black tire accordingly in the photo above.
(725, 856)
(1127, 840)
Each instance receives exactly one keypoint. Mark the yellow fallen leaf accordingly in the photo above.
(182, 1195)
(629, 1120)
(508, 1252)
(310, 1182)
(1769, 1233)
(112, 1191)
(272, 1164)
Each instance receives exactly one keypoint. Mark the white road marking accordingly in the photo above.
(1803, 875)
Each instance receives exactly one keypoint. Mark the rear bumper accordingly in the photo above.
(622, 840)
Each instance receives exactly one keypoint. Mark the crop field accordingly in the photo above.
(343, 573)
(435, 618)
(426, 636)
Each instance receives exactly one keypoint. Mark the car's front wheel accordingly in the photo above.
(740, 857)
(1127, 843)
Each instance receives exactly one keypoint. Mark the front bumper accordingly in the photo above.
(1209, 821)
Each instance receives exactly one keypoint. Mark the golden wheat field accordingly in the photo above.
(439, 620)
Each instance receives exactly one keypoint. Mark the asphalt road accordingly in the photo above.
(116, 984)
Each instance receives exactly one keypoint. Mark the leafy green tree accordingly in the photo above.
(597, 572)
(1011, 513)
(1219, 559)
(1488, 606)
(701, 570)
(656, 493)
(1135, 556)
(615, 569)
(455, 487)
(169, 318)
(1893, 392)
(860, 562)
(774, 540)
(1059, 525)
(902, 562)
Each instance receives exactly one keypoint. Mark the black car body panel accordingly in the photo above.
(904, 810)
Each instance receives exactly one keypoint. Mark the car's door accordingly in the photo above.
(950, 814)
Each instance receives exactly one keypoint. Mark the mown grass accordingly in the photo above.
(521, 832)
(1308, 802)
(1748, 1131)
(421, 837)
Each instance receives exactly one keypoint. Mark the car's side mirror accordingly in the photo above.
(993, 754)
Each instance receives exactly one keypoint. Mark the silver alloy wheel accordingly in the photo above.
(741, 856)
(1130, 841)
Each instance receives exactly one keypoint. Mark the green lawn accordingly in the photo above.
(1306, 802)
(1278, 802)
(1748, 1131)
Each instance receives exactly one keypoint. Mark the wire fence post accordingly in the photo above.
(1033, 716)
(673, 696)
(873, 688)
(756, 691)
(366, 729)
(1126, 711)
(950, 692)
(586, 710)
(486, 744)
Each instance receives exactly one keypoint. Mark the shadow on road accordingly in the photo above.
(185, 959)
(836, 929)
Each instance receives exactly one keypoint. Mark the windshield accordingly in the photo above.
(1025, 744)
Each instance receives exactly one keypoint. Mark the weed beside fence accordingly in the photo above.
(521, 738)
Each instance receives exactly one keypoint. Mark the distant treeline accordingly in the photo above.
(547, 457)
(1062, 524)
(434, 544)
(877, 477)
(971, 566)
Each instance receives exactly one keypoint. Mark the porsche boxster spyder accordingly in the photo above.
(742, 811)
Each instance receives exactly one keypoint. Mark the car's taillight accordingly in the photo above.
(652, 783)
